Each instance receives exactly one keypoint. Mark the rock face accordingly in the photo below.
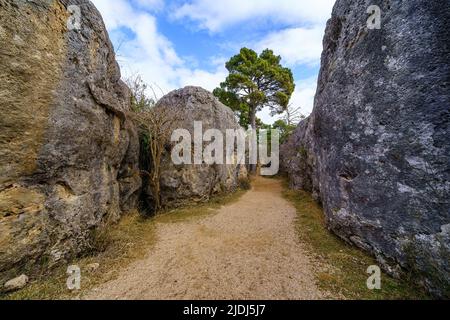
(186, 183)
(376, 149)
(68, 154)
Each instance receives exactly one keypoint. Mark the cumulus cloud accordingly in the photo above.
(303, 96)
(143, 49)
(153, 5)
(295, 45)
(148, 52)
(216, 15)
(299, 42)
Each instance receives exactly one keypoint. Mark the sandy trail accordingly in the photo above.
(248, 250)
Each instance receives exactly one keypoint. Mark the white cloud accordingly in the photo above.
(217, 15)
(204, 79)
(153, 5)
(300, 42)
(110, 10)
(295, 45)
(303, 97)
(150, 54)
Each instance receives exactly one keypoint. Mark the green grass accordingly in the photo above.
(130, 240)
(343, 270)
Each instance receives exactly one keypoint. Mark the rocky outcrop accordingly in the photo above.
(68, 154)
(182, 184)
(376, 149)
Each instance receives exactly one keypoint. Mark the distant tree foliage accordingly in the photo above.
(254, 83)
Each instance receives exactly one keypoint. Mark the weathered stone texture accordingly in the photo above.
(376, 149)
(68, 154)
(182, 184)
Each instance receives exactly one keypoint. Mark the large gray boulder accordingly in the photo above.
(182, 184)
(68, 154)
(376, 149)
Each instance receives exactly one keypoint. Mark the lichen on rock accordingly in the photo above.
(183, 184)
(376, 149)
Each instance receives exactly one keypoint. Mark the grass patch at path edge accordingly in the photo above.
(121, 244)
(346, 274)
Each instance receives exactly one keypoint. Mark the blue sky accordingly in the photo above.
(174, 43)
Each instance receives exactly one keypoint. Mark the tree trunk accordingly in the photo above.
(252, 119)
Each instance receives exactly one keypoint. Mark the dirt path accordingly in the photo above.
(248, 250)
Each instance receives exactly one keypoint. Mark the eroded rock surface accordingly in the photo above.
(186, 183)
(376, 149)
(68, 154)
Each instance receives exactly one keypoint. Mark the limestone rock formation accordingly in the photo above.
(181, 184)
(376, 149)
(68, 154)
